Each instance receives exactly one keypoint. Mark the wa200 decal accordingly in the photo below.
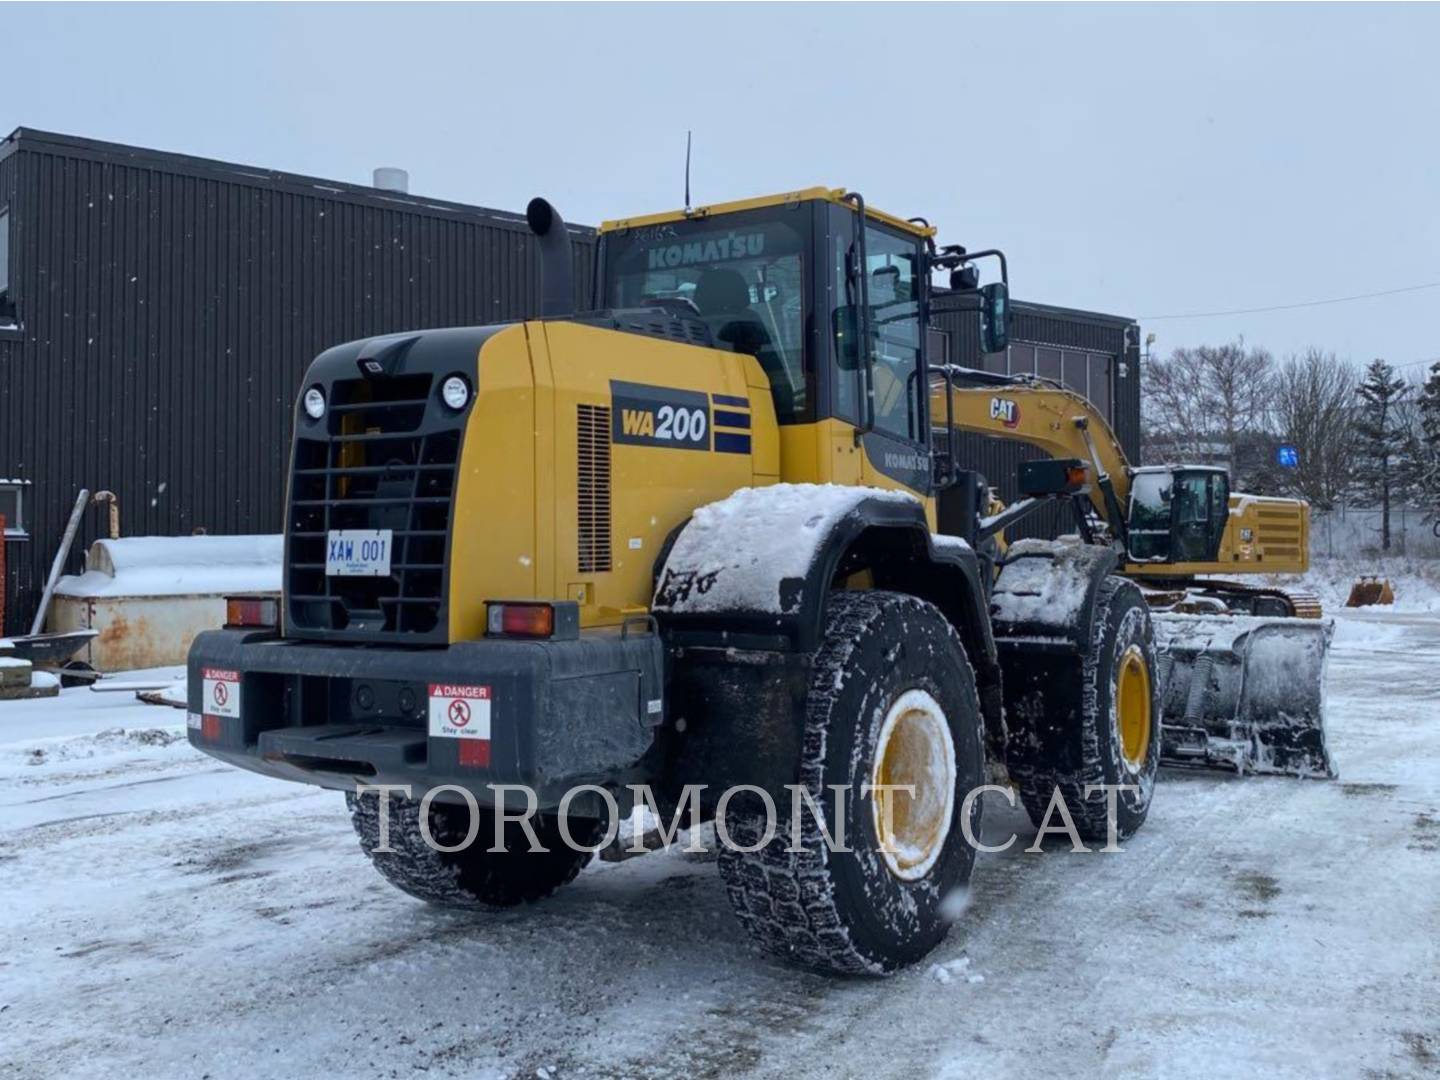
(659, 416)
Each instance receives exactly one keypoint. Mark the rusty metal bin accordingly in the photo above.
(148, 596)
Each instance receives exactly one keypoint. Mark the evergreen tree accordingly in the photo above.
(1383, 437)
(1427, 456)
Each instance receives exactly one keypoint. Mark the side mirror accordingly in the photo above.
(994, 317)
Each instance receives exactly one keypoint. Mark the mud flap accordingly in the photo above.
(1244, 693)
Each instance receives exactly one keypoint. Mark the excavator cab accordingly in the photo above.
(1178, 515)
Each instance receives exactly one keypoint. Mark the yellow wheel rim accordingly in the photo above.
(1132, 707)
(916, 750)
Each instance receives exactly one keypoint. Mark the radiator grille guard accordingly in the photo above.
(384, 457)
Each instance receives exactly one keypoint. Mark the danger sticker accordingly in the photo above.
(221, 692)
(459, 712)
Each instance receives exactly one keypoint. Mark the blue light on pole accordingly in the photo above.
(1287, 456)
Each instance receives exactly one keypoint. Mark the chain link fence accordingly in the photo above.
(1349, 530)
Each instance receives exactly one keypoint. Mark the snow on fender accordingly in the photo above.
(1046, 585)
(753, 550)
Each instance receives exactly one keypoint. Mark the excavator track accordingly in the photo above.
(1189, 598)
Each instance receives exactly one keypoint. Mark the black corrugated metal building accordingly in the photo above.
(157, 312)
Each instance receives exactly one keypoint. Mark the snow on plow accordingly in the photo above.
(1244, 693)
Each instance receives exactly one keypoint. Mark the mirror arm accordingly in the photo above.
(998, 254)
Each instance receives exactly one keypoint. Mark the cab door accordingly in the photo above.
(1200, 508)
(896, 450)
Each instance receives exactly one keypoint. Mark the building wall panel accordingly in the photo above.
(169, 307)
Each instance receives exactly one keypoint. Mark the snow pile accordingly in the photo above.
(944, 542)
(951, 970)
(737, 554)
(1416, 582)
(101, 744)
(178, 566)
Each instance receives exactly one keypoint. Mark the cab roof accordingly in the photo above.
(696, 213)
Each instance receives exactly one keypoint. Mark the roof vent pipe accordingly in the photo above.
(557, 263)
(387, 179)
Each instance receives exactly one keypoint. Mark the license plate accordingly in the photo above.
(358, 553)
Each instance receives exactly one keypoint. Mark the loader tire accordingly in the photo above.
(890, 680)
(475, 877)
(1116, 740)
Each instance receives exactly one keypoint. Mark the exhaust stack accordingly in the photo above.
(388, 179)
(557, 263)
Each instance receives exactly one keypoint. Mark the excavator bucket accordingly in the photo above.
(1245, 693)
(1369, 591)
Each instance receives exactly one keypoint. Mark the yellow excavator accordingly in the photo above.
(1184, 536)
(705, 545)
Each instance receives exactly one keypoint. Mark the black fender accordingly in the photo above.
(1043, 611)
(1045, 593)
(754, 571)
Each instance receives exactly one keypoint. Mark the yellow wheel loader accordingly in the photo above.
(696, 549)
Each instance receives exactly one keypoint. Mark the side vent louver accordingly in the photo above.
(593, 430)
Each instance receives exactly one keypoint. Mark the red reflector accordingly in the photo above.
(475, 752)
(521, 620)
(252, 611)
(210, 727)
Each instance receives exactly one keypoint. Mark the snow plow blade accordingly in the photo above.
(1244, 693)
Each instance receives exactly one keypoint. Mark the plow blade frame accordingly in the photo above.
(1244, 693)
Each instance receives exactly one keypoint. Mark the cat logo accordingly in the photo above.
(1005, 410)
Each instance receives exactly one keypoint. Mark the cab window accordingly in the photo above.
(744, 274)
(1149, 526)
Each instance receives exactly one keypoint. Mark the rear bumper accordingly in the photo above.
(556, 713)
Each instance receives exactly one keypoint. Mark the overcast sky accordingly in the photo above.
(1141, 160)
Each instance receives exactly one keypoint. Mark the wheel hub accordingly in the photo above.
(1132, 707)
(915, 749)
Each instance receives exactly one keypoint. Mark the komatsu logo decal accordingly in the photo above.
(1005, 410)
(712, 250)
(659, 416)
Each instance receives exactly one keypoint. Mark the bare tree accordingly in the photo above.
(1201, 402)
(1313, 408)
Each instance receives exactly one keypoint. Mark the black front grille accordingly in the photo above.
(381, 467)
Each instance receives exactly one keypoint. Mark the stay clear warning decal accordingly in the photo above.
(221, 692)
(459, 712)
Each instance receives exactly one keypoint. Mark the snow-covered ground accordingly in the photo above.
(166, 916)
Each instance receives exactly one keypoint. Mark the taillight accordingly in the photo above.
(252, 611)
(520, 620)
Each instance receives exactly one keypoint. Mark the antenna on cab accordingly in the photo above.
(687, 172)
